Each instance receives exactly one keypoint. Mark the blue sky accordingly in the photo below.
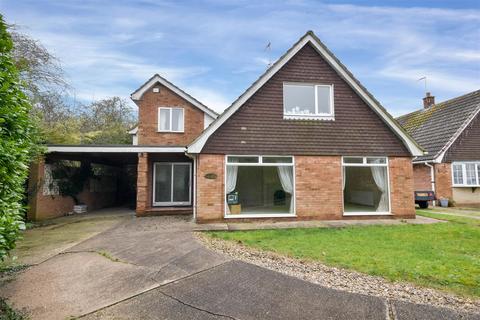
(215, 49)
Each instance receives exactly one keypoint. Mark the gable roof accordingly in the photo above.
(197, 145)
(156, 78)
(437, 127)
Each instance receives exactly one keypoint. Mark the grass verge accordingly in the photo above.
(444, 256)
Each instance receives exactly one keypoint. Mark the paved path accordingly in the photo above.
(153, 268)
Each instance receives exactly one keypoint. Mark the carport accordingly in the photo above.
(113, 180)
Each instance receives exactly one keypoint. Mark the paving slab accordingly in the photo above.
(74, 284)
(245, 291)
(152, 305)
(410, 311)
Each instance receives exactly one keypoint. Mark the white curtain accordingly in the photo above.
(380, 176)
(285, 173)
(344, 178)
(232, 173)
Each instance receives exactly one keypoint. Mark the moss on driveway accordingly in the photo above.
(51, 237)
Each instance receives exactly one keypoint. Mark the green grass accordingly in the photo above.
(444, 256)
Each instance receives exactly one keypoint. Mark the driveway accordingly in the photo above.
(153, 268)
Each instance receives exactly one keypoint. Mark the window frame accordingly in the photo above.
(172, 203)
(259, 164)
(317, 116)
(463, 164)
(366, 164)
(170, 109)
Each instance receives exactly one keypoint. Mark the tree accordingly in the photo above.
(18, 144)
(39, 69)
(107, 121)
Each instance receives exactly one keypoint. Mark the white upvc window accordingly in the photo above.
(466, 174)
(365, 186)
(259, 186)
(170, 119)
(308, 101)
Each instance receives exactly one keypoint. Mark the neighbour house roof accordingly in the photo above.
(137, 95)
(436, 128)
(309, 38)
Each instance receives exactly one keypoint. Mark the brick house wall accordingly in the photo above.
(318, 188)
(443, 180)
(41, 207)
(401, 187)
(421, 177)
(318, 183)
(148, 118)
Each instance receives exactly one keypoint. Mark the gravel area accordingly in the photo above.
(341, 279)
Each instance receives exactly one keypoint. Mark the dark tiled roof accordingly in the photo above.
(433, 128)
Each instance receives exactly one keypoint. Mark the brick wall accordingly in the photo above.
(47, 206)
(318, 183)
(401, 186)
(210, 192)
(421, 177)
(142, 184)
(148, 118)
(443, 180)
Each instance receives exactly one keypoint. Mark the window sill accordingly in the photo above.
(465, 186)
(308, 117)
(346, 214)
(260, 215)
(165, 131)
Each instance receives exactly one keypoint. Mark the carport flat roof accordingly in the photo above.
(109, 148)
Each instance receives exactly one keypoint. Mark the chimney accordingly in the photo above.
(428, 101)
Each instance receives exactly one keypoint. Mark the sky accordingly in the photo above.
(215, 49)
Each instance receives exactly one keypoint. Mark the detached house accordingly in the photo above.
(450, 132)
(304, 141)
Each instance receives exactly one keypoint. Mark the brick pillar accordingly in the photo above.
(443, 180)
(142, 183)
(401, 187)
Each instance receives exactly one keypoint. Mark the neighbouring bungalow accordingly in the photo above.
(450, 132)
(304, 141)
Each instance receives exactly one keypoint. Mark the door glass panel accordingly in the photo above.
(163, 183)
(181, 183)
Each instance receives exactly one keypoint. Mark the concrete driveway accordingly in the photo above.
(153, 268)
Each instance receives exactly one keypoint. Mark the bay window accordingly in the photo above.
(466, 174)
(365, 186)
(259, 186)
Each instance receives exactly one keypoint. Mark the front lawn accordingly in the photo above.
(444, 255)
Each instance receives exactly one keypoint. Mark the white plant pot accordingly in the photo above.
(80, 208)
(444, 203)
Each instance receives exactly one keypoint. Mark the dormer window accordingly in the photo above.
(170, 119)
(308, 101)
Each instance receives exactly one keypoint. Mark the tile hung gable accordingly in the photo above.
(258, 126)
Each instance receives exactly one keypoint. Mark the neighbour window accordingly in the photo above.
(312, 101)
(466, 174)
(259, 186)
(365, 185)
(170, 119)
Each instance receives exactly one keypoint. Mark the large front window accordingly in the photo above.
(365, 185)
(171, 184)
(259, 186)
(466, 174)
